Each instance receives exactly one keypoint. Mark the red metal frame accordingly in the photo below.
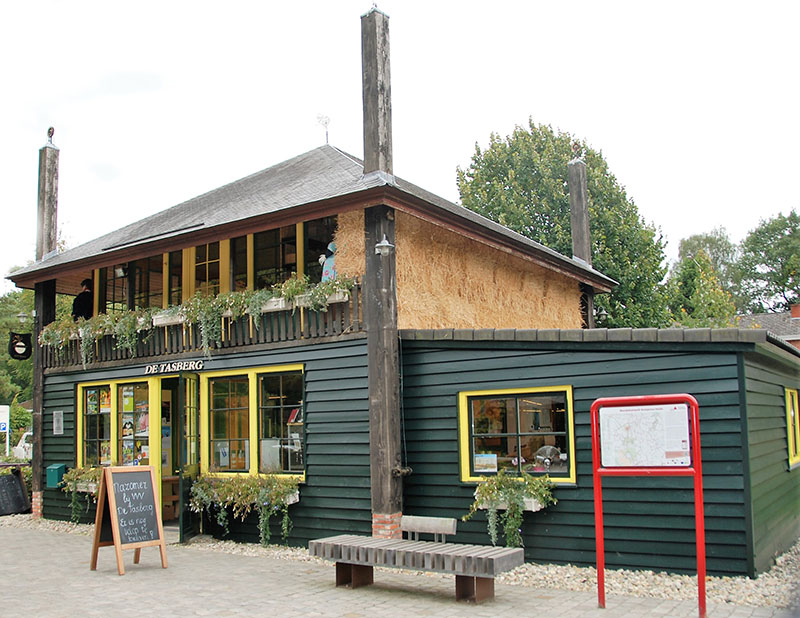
(694, 470)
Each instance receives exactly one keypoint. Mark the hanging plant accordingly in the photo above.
(206, 312)
(79, 481)
(255, 304)
(504, 497)
(267, 494)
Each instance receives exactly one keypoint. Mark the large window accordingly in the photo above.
(280, 422)
(255, 421)
(96, 407)
(517, 430)
(175, 277)
(239, 263)
(230, 425)
(134, 424)
(792, 426)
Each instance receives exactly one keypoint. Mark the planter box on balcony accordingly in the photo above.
(275, 304)
(168, 319)
(338, 297)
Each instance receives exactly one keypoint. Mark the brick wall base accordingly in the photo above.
(37, 504)
(386, 525)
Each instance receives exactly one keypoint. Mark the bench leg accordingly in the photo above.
(474, 589)
(353, 575)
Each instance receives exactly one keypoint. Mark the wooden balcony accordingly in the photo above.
(299, 324)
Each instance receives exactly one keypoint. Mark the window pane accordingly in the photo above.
(281, 422)
(219, 425)
(239, 263)
(494, 416)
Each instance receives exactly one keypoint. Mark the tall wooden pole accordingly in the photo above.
(581, 236)
(380, 286)
(44, 300)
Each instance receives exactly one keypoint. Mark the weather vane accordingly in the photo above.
(577, 150)
(324, 121)
(50, 133)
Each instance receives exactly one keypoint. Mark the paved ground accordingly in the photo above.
(45, 573)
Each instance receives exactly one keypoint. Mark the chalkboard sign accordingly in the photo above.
(13, 493)
(128, 513)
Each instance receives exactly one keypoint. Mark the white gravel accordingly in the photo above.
(778, 587)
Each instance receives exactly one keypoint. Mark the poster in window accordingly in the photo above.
(91, 402)
(105, 401)
(127, 452)
(105, 453)
(485, 462)
(127, 425)
(142, 424)
(127, 399)
(223, 458)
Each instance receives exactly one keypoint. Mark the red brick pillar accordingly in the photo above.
(37, 504)
(386, 526)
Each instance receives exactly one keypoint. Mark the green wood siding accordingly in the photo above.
(774, 487)
(336, 496)
(649, 522)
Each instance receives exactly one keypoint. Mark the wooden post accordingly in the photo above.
(377, 92)
(380, 314)
(581, 236)
(44, 295)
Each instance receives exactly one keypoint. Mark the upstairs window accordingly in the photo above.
(318, 235)
(175, 277)
(206, 269)
(517, 430)
(792, 426)
(275, 256)
(113, 292)
(148, 282)
(239, 263)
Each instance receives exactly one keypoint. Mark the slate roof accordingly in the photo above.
(780, 324)
(323, 173)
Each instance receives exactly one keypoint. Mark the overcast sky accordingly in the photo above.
(694, 104)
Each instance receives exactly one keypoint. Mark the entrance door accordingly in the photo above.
(188, 450)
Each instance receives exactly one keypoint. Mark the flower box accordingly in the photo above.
(86, 487)
(168, 319)
(275, 304)
(338, 297)
(529, 504)
(302, 300)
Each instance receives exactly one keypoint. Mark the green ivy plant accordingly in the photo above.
(507, 494)
(267, 494)
(207, 312)
(74, 482)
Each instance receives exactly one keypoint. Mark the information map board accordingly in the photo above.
(128, 513)
(648, 435)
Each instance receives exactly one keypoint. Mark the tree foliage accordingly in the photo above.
(16, 377)
(770, 263)
(521, 182)
(696, 297)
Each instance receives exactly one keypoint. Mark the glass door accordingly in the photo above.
(188, 450)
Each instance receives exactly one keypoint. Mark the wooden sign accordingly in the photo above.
(128, 514)
(13, 493)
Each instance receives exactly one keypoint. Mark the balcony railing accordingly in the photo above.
(298, 324)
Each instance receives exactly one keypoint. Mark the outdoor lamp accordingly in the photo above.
(384, 247)
(22, 316)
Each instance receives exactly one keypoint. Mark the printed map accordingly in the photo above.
(645, 436)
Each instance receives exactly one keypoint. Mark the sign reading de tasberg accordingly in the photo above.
(173, 367)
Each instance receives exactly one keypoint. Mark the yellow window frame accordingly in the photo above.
(464, 426)
(154, 414)
(793, 426)
(205, 416)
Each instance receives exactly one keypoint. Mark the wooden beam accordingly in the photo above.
(376, 91)
(380, 315)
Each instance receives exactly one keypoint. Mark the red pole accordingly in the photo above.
(600, 547)
(699, 511)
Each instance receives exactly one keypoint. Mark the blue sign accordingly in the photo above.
(3, 426)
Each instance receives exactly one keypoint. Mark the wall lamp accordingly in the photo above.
(384, 247)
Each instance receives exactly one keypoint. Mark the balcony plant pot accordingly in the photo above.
(338, 297)
(275, 304)
(168, 319)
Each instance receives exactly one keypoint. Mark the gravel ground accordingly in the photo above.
(779, 587)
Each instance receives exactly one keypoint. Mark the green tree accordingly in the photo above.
(521, 182)
(724, 257)
(16, 377)
(696, 297)
(770, 263)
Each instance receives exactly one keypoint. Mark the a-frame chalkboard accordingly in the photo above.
(128, 514)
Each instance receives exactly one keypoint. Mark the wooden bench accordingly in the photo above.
(475, 566)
